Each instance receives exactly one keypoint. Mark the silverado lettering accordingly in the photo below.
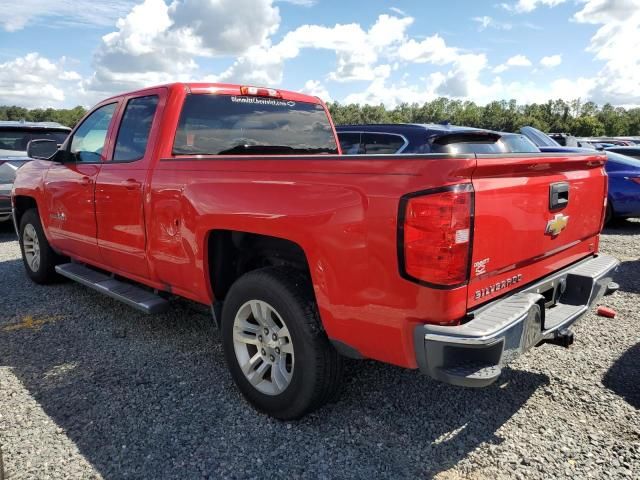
(491, 289)
(238, 198)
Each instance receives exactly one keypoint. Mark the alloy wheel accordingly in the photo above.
(31, 246)
(263, 347)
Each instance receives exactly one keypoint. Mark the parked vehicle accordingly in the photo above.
(623, 199)
(624, 185)
(628, 151)
(631, 140)
(565, 139)
(236, 197)
(14, 137)
(428, 138)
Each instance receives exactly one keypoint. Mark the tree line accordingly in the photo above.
(68, 117)
(583, 119)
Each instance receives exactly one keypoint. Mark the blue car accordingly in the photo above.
(622, 168)
(428, 138)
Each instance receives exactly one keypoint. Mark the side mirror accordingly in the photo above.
(42, 149)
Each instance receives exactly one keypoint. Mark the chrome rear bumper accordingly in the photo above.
(474, 353)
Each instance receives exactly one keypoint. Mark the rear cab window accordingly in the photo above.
(245, 125)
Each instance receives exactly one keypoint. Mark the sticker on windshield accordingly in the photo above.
(263, 101)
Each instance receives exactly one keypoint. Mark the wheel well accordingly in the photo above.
(21, 205)
(232, 254)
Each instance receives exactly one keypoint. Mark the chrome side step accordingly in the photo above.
(132, 295)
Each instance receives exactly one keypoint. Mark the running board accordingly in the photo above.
(132, 295)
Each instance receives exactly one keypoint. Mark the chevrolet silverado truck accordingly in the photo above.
(238, 197)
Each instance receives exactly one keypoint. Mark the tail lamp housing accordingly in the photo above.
(435, 233)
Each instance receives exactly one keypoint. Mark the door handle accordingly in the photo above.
(86, 181)
(558, 195)
(131, 184)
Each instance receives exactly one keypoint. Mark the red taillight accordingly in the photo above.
(435, 236)
(634, 179)
(260, 92)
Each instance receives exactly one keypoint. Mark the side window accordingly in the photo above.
(379, 143)
(88, 140)
(349, 142)
(133, 135)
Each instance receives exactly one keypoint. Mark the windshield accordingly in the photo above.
(17, 139)
(237, 125)
(539, 138)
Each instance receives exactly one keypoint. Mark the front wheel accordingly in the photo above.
(38, 257)
(278, 355)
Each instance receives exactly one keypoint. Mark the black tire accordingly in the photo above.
(317, 375)
(45, 272)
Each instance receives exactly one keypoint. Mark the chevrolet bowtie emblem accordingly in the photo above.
(557, 224)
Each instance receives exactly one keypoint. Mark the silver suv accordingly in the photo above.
(14, 137)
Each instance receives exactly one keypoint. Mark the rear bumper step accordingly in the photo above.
(474, 353)
(132, 295)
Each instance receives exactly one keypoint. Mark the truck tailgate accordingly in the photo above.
(533, 215)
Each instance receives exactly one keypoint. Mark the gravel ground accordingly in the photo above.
(90, 388)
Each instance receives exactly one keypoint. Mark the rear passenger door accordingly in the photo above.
(122, 182)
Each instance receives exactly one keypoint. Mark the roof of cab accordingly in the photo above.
(222, 89)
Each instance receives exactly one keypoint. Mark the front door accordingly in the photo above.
(70, 187)
(120, 187)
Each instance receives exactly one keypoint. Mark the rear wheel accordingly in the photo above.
(277, 353)
(38, 257)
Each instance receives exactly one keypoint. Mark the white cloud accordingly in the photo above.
(35, 81)
(302, 3)
(380, 91)
(357, 50)
(617, 44)
(317, 89)
(398, 11)
(526, 6)
(158, 43)
(551, 61)
(432, 49)
(519, 61)
(515, 61)
(461, 81)
(485, 22)
(19, 14)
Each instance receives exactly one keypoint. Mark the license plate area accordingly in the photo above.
(552, 290)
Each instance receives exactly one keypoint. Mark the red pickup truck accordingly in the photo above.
(238, 198)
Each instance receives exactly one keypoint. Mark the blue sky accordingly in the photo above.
(71, 52)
